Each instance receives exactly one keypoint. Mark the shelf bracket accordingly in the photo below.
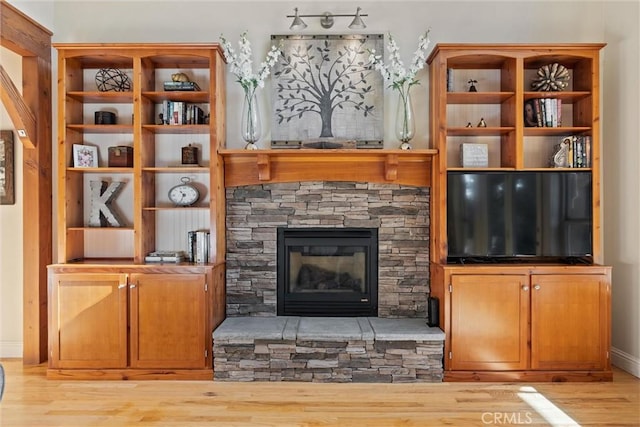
(264, 167)
(391, 167)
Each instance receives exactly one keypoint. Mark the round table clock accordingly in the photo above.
(184, 194)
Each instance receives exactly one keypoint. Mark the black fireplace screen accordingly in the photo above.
(327, 272)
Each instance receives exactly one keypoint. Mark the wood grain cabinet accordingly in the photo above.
(168, 318)
(489, 322)
(570, 321)
(145, 322)
(538, 322)
(88, 320)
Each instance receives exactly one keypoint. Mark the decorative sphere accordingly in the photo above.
(112, 80)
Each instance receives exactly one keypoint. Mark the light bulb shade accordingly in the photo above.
(298, 23)
(357, 23)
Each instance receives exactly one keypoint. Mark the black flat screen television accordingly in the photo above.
(495, 216)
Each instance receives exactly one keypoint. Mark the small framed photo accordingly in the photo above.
(7, 194)
(85, 156)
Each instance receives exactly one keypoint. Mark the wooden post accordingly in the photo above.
(27, 38)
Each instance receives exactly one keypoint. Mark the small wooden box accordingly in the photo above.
(474, 155)
(121, 157)
(105, 118)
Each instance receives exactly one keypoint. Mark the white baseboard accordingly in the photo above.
(625, 361)
(10, 349)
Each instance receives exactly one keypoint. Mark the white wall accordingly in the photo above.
(615, 23)
(621, 199)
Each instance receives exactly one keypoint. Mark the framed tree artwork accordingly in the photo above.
(7, 188)
(323, 89)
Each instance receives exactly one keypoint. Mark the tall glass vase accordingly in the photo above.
(251, 125)
(405, 123)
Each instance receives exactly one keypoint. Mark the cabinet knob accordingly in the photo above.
(536, 287)
(525, 288)
(122, 286)
(131, 286)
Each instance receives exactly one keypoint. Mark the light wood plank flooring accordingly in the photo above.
(32, 400)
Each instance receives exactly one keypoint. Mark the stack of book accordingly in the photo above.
(165, 256)
(198, 246)
(181, 86)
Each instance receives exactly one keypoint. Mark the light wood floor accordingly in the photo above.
(32, 400)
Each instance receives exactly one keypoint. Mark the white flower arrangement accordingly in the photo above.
(242, 63)
(401, 80)
(395, 72)
(242, 66)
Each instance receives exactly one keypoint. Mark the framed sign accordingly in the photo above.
(7, 187)
(323, 88)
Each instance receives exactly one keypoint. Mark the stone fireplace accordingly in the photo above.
(390, 194)
(399, 214)
(327, 272)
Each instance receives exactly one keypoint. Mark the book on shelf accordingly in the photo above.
(587, 151)
(182, 113)
(539, 111)
(583, 151)
(198, 246)
(449, 79)
(558, 112)
(577, 152)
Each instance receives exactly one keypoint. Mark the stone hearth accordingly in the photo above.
(327, 349)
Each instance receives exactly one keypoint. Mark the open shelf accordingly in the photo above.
(155, 148)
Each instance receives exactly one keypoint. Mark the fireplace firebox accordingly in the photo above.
(327, 272)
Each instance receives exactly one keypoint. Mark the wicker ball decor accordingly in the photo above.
(551, 78)
(112, 80)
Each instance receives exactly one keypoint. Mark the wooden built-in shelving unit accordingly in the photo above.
(516, 321)
(109, 311)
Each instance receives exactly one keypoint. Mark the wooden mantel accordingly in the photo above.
(251, 167)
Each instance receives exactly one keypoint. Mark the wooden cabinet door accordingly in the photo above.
(489, 322)
(569, 321)
(168, 321)
(88, 327)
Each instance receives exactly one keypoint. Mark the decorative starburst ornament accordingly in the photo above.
(551, 78)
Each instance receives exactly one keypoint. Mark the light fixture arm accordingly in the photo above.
(327, 19)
